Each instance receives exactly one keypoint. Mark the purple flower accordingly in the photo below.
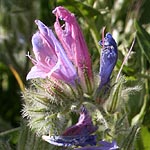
(50, 57)
(68, 141)
(60, 61)
(73, 41)
(84, 126)
(108, 58)
(104, 145)
(78, 134)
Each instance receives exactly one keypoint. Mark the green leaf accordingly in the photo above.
(139, 117)
(30, 141)
(114, 98)
(143, 39)
(145, 135)
(4, 145)
(129, 140)
(9, 139)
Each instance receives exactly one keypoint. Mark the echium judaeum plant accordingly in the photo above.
(64, 87)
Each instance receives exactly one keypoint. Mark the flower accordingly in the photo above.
(84, 125)
(78, 134)
(50, 57)
(108, 58)
(108, 145)
(62, 60)
(73, 41)
(104, 145)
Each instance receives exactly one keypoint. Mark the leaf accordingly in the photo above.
(129, 140)
(145, 135)
(4, 145)
(9, 138)
(30, 141)
(115, 96)
(143, 38)
(140, 116)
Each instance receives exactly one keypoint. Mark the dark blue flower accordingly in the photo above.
(103, 145)
(78, 134)
(108, 58)
(108, 145)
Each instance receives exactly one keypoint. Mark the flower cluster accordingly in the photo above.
(67, 61)
(65, 83)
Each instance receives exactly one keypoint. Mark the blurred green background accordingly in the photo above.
(125, 19)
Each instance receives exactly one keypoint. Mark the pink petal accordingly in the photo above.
(35, 72)
(72, 40)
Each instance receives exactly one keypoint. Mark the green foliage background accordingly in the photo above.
(125, 19)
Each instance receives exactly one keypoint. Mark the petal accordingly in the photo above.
(108, 145)
(45, 55)
(73, 41)
(88, 148)
(35, 72)
(104, 145)
(63, 69)
(108, 41)
(43, 46)
(54, 140)
(68, 141)
(84, 126)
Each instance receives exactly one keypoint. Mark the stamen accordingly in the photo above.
(30, 57)
(63, 26)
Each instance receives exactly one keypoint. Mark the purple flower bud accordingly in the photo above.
(50, 57)
(78, 134)
(108, 58)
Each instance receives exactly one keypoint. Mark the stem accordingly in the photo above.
(125, 60)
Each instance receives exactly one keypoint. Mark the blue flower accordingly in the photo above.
(108, 58)
(68, 141)
(79, 134)
(103, 145)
